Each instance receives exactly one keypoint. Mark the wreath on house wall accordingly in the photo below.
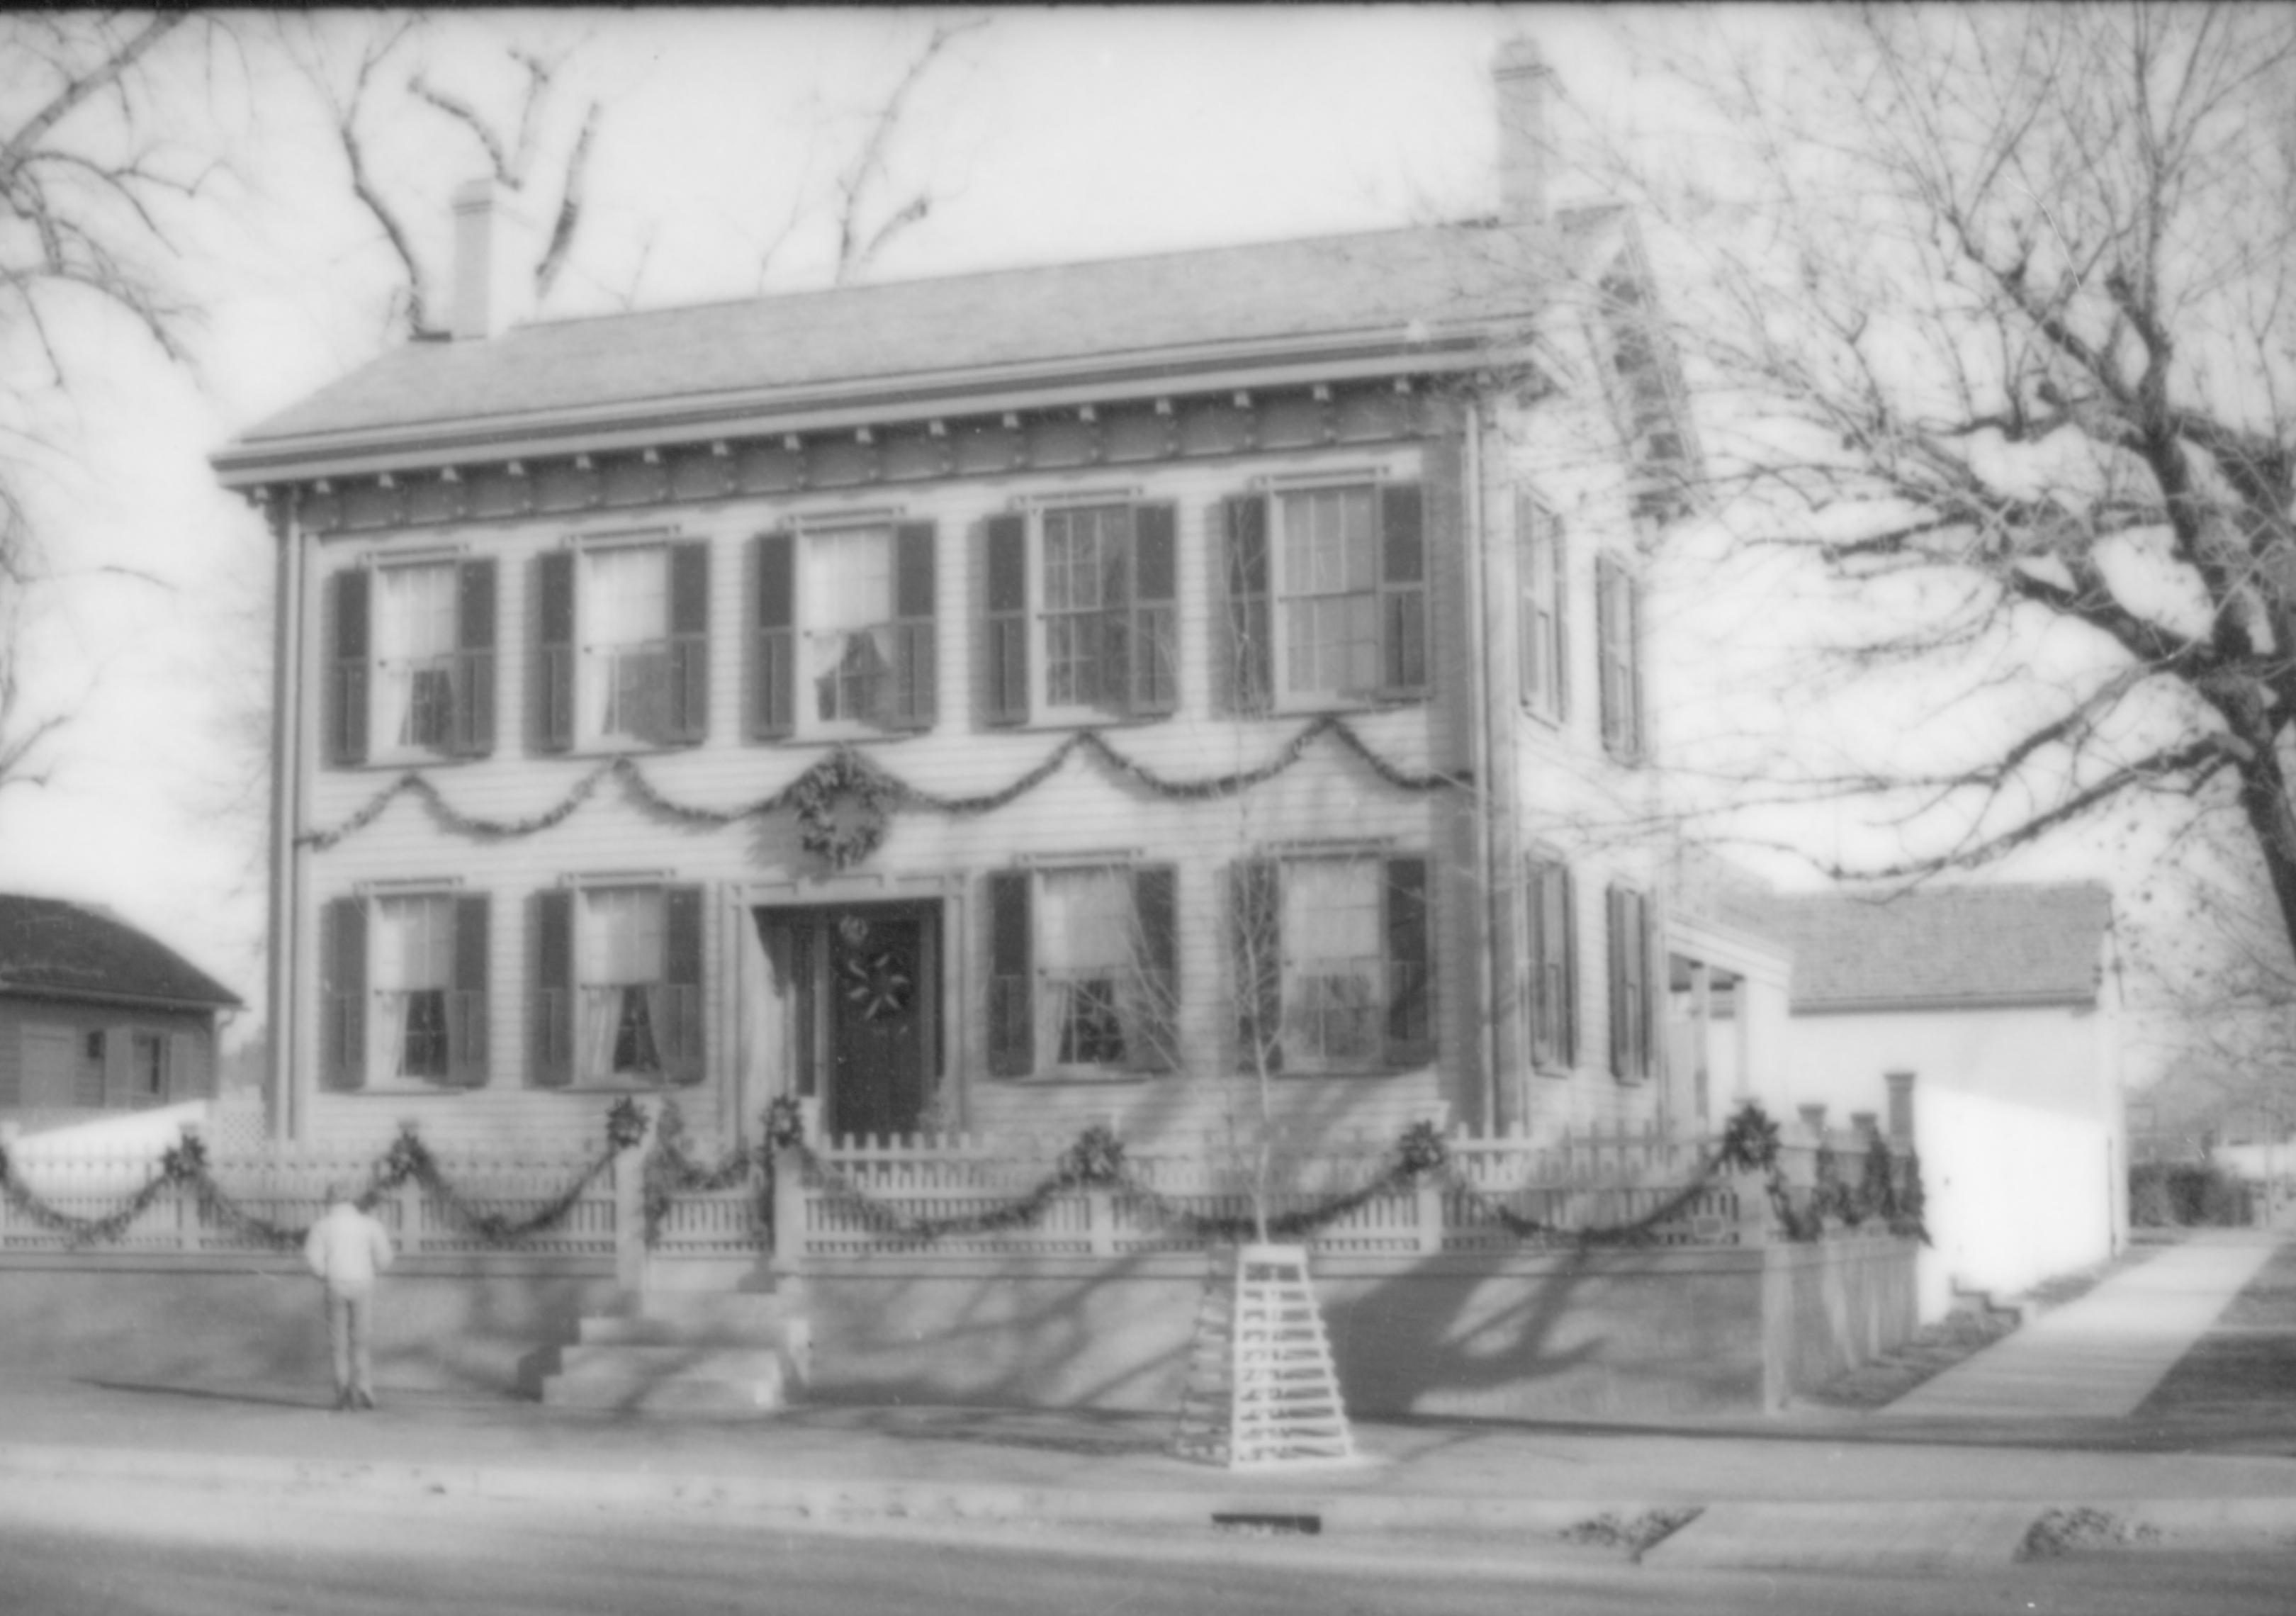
(843, 805)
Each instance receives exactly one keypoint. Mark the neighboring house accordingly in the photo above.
(1977, 1022)
(929, 700)
(97, 1016)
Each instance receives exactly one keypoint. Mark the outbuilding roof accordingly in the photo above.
(1939, 947)
(1405, 289)
(56, 948)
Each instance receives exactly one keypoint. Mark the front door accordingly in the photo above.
(880, 1001)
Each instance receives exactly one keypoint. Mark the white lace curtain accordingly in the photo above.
(414, 637)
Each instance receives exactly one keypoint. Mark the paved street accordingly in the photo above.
(185, 1498)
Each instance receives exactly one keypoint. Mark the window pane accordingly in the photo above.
(413, 651)
(1085, 581)
(1332, 962)
(625, 607)
(1330, 589)
(848, 606)
(622, 965)
(1087, 965)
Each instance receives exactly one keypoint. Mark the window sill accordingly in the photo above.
(402, 762)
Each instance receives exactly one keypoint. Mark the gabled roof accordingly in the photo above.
(1939, 947)
(61, 949)
(1153, 317)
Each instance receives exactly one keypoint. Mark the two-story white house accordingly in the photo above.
(999, 702)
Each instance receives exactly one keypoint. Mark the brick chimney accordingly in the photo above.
(1524, 82)
(494, 262)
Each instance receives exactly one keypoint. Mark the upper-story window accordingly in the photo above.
(1543, 627)
(623, 656)
(1082, 619)
(404, 984)
(617, 985)
(844, 623)
(1332, 963)
(1326, 595)
(411, 671)
(1084, 971)
(1618, 639)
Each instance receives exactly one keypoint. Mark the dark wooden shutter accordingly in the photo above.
(1616, 630)
(466, 1005)
(912, 700)
(553, 1051)
(1257, 911)
(1554, 967)
(1402, 589)
(1252, 648)
(554, 672)
(1155, 637)
(475, 637)
(1631, 1011)
(1155, 913)
(1410, 967)
(773, 694)
(686, 699)
(347, 667)
(1558, 561)
(1012, 1028)
(677, 1032)
(343, 992)
(1005, 639)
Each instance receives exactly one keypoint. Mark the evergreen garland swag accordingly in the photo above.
(185, 1164)
(670, 1171)
(852, 776)
(1749, 1144)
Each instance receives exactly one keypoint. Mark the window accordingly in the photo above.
(1084, 976)
(1332, 605)
(1543, 596)
(1617, 635)
(88, 1082)
(618, 986)
(1553, 978)
(1103, 637)
(623, 652)
(1633, 937)
(412, 669)
(845, 635)
(1330, 959)
(403, 983)
(147, 1067)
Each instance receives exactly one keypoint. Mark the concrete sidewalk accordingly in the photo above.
(2098, 1358)
(1941, 1490)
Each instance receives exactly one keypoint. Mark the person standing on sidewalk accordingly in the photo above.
(347, 1250)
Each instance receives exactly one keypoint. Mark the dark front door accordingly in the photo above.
(879, 1000)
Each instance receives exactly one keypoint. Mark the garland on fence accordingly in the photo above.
(670, 1170)
(848, 774)
(1749, 1144)
(185, 1164)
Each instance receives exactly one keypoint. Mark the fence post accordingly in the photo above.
(788, 1208)
(1100, 1219)
(629, 1218)
(1427, 1213)
(410, 1218)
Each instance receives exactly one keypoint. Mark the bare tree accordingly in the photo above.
(1993, 315)
(866, 221)
(91, 198)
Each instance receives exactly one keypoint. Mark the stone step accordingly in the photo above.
(790, 1332)
(736, 1309)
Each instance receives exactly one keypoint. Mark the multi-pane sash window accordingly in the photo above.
(844, 620)
(1552, 984)
(1543, 626)
(1617, 635)
(624, 647)
(412, 666)
(617, 985)
(403, 981)
(1633, 943)
(1332, 963)
(148, 1068)
(1083, 971)
(1326, 594)
(1104, 627)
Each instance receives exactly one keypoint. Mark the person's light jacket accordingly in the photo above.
(347, 1248)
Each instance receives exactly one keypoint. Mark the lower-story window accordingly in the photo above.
(1332, 963)
(1083, 971)
(404, 984)
(618, 986)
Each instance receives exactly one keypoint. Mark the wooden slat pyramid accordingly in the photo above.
(1261, 1391)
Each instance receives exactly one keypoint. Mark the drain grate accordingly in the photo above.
(1268, 1526)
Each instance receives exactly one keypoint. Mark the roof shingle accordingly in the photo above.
(2027, 944)
(49, 946)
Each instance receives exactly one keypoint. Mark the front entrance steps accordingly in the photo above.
(687, 1352)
